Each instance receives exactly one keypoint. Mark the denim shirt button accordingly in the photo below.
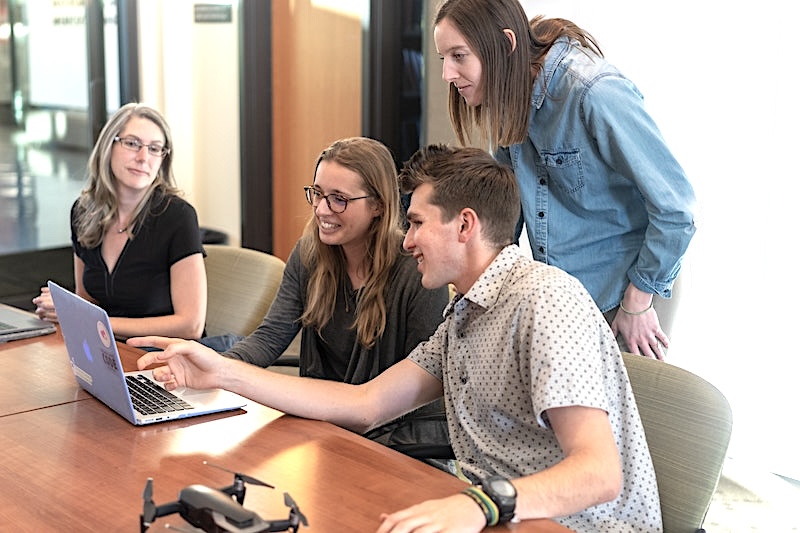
(541, 249)
(542, 181)
(540, 214)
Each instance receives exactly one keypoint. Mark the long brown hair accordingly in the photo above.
(508, 75)
(372, 161)
(98, 203)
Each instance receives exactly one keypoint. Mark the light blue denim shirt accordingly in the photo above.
(602, 196)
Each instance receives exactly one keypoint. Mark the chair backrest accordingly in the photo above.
(242, 284)
(687, 422)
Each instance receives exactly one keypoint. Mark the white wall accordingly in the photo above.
(715, 76)
(190, 71)
(718, 79)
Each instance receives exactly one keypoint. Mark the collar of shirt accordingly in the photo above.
(486, 289)
(559, 49)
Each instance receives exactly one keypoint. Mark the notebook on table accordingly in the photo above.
(97, 366)
(18, 324)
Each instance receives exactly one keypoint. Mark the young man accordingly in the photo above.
(541, 414)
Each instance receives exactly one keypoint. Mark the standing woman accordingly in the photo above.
(602, 196)
(137, 245)
(350, 288)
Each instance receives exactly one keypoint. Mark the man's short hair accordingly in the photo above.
(467, 177)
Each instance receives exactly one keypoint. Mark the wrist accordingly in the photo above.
(634, 312)
(228, 374)
(636, 301)
(504, 496)
(489, 509)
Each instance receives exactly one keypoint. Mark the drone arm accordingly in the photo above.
(237, 491)
(167, 509)
(161, 510)
(281, 525)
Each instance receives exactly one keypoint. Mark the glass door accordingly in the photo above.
(55, 58)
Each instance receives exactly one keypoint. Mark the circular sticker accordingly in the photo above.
(102, 332)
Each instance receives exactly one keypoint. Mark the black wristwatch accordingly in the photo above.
(503, 494)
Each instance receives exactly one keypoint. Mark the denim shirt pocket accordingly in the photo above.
(564, 169)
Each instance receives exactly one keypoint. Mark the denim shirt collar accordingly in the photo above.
(558, 51)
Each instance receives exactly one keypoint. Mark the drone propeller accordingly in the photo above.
(149, 507)
(241, 476)
(295, 510)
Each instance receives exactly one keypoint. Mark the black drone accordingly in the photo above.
(219, 510)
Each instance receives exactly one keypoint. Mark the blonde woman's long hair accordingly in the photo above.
(98, 202)
(372, 161)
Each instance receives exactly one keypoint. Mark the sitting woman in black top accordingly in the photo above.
(137, 245)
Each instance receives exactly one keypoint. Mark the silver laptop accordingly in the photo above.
(136, 396)
(18, 324)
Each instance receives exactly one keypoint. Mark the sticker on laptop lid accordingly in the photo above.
(102, 332)
(81, 373)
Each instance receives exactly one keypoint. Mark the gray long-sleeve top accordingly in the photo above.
(412, 315)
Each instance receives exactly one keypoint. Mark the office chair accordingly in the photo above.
(242, 283)
(687, 423)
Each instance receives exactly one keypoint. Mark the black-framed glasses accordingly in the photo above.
(336, 202)
(134, 145)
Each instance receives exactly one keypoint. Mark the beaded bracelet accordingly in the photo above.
(489, 508)
(636, 313)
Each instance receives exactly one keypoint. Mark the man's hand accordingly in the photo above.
(188, 363)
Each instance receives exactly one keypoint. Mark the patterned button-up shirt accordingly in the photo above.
(525, 338)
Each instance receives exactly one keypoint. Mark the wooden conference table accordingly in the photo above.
(70, 463)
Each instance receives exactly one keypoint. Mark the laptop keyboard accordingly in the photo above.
(148, 398)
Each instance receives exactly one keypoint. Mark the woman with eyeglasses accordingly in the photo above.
(137, 245)
(356, 297)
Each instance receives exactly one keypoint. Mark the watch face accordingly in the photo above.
(503, 487)
(502, 492)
